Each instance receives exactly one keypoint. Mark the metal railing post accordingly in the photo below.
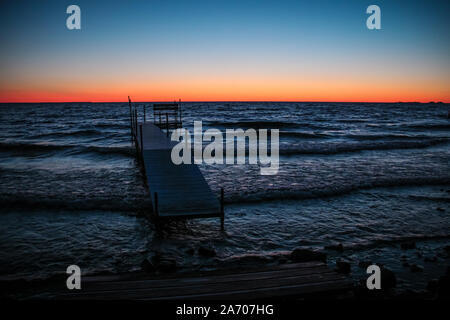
(141, 144)
(222, 211)
(167, 124)
(156, 204)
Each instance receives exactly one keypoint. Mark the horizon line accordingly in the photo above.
(226, 101)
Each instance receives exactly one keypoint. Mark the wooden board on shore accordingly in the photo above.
(287, 280)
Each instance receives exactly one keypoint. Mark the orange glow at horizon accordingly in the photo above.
(224, 89)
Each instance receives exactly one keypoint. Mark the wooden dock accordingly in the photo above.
(287, 280)
(177, 191)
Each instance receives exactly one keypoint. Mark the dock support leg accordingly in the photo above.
(141, 143)
(157, 219)
(131, 119)
(167, 125)
(145, 117)
(156, 204)
(135, 121)
(136, 133)
(222, 211)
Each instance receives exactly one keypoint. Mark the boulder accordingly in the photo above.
(206, 251)
(167, 265)
(163, 263)
(430, 259)
(147, 266)
(338, 247)
(305, 255)
(364, 264)
(157, 256)
(343, 266)
(444, 286)
(433, 285)
(416, 268)
(388, 279)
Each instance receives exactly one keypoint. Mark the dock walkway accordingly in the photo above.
(177, 191)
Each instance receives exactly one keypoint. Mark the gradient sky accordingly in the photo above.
(224, 50)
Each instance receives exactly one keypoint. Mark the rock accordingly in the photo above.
(388, 279)
(305, 255)
(338, 247)
(408, 245)
(190, 251)
(405, 264)
(343, 266)
(416, 268)
(430, 259)
(440, 209)
(167, 265)
(433, 285)
(207, 252)
(157, 256)
(444, 286)
(364, 264)
(447, 249)
(163, 263)
(409, 294)
(147, 266)
(388, 282)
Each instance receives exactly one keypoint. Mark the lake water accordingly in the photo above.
(366, 175)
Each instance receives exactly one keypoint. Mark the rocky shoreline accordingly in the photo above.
(337, 256)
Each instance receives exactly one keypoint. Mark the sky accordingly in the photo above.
(224, 51)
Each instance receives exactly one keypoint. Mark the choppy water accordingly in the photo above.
(360, 174)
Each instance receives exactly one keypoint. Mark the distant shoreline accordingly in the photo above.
(233, 101)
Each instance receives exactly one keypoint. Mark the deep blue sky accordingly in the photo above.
(232, 50)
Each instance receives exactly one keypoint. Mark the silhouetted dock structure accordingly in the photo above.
(288, 280)
(177, 191)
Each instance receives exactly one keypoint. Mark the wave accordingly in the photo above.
(394, 241)
(77, 133)
(330, 148)
(108, 125)
(438, 126)
(352, 120)
(73, 149)
(309, 135)
(392, 136)
(34, 147)
(123, 151)
(115, 204)
(265, 124)
(333, 191)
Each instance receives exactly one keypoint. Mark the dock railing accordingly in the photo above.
(167, 116)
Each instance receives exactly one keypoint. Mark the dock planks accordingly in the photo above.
(288, 280)
(182, 190)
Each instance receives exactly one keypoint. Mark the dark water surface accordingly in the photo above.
(365, 175)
